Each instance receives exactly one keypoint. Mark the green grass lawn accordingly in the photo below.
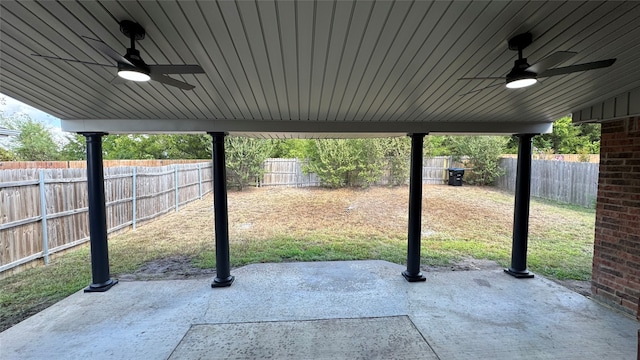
(276, 225)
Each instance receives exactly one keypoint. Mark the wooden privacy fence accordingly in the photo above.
(289, 172)
(568, 182)
(44, 211)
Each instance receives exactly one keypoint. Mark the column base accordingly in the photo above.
(519, 274)
(101, 287)
(218, 282)
(413, 277)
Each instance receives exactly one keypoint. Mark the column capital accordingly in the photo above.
(217, 133)
(93, 133)
(417, 134)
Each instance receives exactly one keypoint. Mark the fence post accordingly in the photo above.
(135, 192)
(177, 187)
(200, 180)
(43, 212)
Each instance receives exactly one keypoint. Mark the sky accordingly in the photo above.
(12, 106)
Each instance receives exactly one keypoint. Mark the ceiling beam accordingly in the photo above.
(355, 128)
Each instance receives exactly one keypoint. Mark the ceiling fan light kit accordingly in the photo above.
(523, 75)
(520, 76)
(521, 83)
(134, 75)
(139, 71)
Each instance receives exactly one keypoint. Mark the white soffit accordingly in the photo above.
(296, 64)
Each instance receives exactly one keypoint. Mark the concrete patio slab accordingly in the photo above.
(482, 314)
(377, 338)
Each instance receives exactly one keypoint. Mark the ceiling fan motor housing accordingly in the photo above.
(133, 56)
(519, 71)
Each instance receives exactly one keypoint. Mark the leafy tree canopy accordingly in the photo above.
(35, 142)
(481, 154)
(244, 160)
(566, 138)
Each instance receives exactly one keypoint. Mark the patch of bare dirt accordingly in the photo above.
(169, 268)
(466, 264)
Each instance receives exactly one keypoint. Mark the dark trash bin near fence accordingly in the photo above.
(455, 176)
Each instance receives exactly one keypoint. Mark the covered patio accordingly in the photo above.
(327, 69)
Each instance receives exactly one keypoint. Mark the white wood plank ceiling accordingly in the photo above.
(316, 66)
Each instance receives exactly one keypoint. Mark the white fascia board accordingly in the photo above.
(624, 105)
(352, 128)
(314, 135)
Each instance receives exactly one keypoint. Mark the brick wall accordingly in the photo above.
(616, 258)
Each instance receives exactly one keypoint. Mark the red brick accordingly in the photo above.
(631, 305)
(616, 259)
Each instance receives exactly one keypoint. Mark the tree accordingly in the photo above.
(6, 155)
(135, 146)
(144, 146)
(566, 138)
(346, 162)
(437, 145)
(35, 142)
(396, 152)
(291, 148)
(244, 160)
(75, 148)
(482, 154)
(188, 146)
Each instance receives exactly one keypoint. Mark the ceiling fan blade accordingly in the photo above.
(107, 50)
(176, 69)
(482, 78)
(486, 87)
(171, 82)
(72, 60)
(551, 60)
(577, 68)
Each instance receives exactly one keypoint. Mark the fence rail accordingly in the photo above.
(46, 210)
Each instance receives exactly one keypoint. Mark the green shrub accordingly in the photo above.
(482, 155)
(346, 162)
(244, 160)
